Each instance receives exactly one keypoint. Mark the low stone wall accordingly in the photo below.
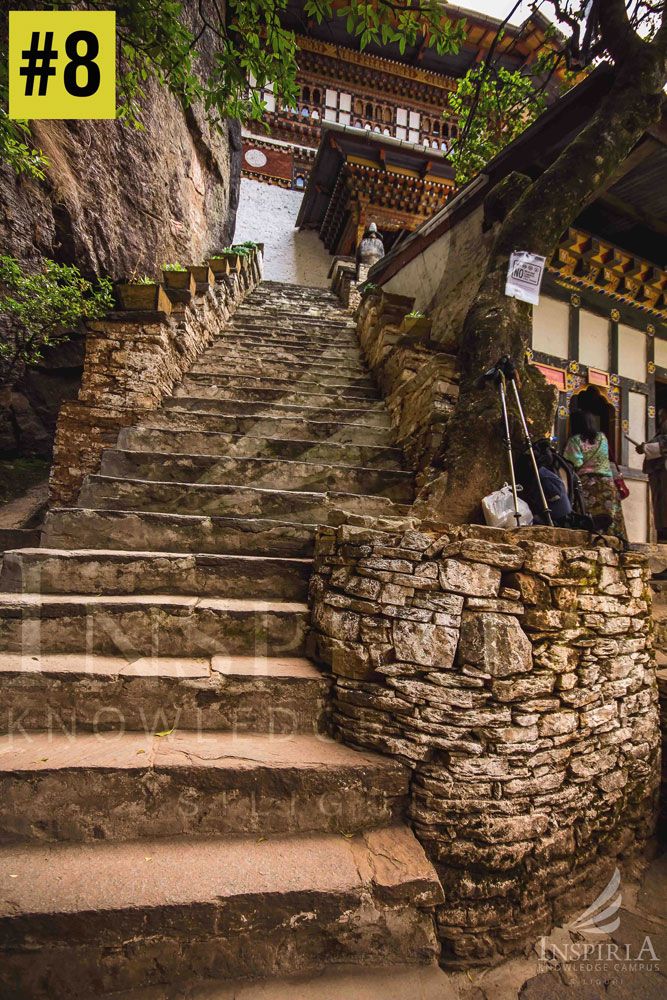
(513, 673)
(132, 361)
(418, 380)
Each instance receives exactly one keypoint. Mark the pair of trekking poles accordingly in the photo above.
(502, 373)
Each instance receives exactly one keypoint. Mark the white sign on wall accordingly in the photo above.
(524, 276)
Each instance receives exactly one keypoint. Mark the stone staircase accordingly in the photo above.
(172, 811)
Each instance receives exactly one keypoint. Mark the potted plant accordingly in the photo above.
(178, 278)
(142, 295)
(219, 264)
(415, 323)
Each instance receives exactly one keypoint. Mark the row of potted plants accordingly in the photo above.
(144, 294)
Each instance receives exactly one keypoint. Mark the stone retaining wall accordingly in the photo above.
(418, 380)
(513, 673)
(662, 687)
(132, 361)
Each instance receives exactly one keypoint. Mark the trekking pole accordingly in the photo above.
(497, 376)
(509, 371)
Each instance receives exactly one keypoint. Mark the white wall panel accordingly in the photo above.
(594, 342)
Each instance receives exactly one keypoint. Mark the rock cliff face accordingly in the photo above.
(116, 201)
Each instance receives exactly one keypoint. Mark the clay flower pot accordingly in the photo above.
(203, 276)
(415, 325)
(219, 266)
(179, 281)
(143, 297)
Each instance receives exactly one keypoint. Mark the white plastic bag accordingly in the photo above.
(498, 509)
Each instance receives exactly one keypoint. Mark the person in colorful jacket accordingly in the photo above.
(588, 451)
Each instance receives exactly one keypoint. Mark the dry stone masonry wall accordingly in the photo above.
(132, 362)
(513, 673)
(418, 380)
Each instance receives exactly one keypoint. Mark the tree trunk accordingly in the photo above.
(474, 455)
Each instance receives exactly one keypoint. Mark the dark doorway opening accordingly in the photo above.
(604, 414)
(660, 396)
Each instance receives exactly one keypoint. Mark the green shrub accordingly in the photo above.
(41, 309)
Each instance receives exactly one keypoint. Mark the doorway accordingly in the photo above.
(604, 414)
(660, 396)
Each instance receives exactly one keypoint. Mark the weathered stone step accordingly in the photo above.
(296, 307)
(207, 384)
(263, 428)
(223, 908)
(660, 624)
(264, 473)
(272, 379)
(242, 361)
(375, 417)
(218, 500)
(123, 786)
(78, 693)
(341, 399)
(242, 345)
(74, 528)
(389, 982)
(277, 331)
(150, 625)
(203, 442)
(113, 571)
(273, 322)
(296, 506)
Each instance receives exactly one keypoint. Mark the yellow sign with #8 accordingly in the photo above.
(62, 64)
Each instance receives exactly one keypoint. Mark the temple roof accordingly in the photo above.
(518, 46)
(344, 144)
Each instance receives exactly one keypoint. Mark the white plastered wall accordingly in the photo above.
(267, 214)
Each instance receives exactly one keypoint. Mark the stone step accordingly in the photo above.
(202, 384)
(263, 473)
(110, 571)
(77, 693)
(74, 528)
(389, 982)
(114, 493)
(330, 397)
(297, 307)
(660, 625)
(263, 428)
(275, 322)
(12, 538)
(374, 417)
(272, 379)
(230, 344)
(219, 500)
(204, 442)
(85, 919)
(125, 786)
(150, 625)
(239, 361)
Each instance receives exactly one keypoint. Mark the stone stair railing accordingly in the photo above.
(133, 360)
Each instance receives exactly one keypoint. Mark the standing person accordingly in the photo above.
(655, 466)
(588, 451)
